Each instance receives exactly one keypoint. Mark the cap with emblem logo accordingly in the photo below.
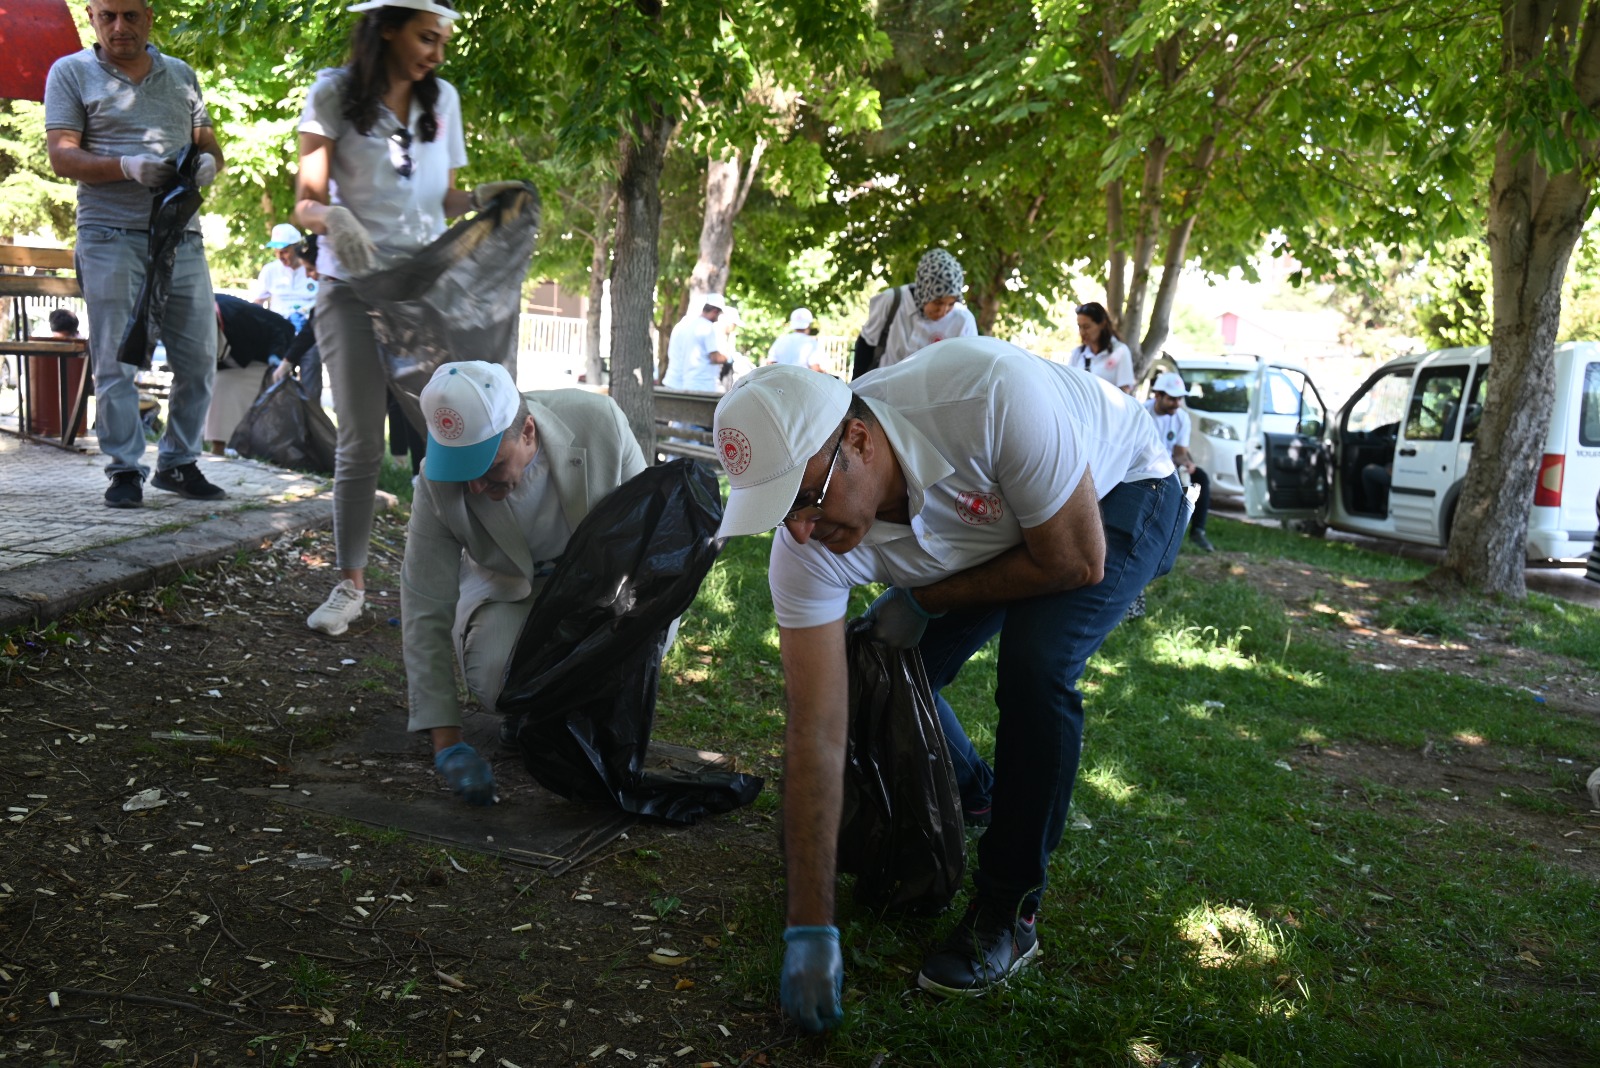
(467, 406)
(768, 425)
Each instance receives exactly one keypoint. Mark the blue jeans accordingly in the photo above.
(1045, 643)
(110, 266)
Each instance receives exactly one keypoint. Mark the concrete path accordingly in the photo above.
(62, 548)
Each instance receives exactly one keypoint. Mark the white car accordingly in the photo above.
(1393, 461)
(1220, 390)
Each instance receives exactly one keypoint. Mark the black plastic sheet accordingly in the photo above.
(458, 298)
(901, 832)
(286, 426)
(581, 685)
(171, 208)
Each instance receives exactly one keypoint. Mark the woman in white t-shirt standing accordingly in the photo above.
(380, 143)
(1102, 353)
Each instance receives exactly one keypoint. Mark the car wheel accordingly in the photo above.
(1311, 528)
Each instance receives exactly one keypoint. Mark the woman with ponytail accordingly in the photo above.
(380, 144)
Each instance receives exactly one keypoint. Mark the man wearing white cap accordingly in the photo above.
(285, 286)
(1172, 424)
(507, 478)
(798, 348)
(694, 359)
(997, 493)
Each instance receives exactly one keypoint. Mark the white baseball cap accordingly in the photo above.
(713, 300)
(766, 427)
(429, 6)
(284, 235)
(467, 406)
(1170, 383)
(800, 319)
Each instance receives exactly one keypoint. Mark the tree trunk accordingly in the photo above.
(599, 265)
(634, 269)
(1535, 220)
(1166, 294)
(1116, 255)
(727, 186)
(1131, 324)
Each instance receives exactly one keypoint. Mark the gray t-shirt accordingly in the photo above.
(116, 117)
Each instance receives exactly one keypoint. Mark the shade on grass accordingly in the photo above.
(1227, 899)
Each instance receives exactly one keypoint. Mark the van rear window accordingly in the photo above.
(1589, 412)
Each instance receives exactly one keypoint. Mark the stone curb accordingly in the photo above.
(40, 593)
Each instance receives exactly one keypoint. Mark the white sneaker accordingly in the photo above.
(342, 608)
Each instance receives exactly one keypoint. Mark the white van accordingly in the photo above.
(1393, 464)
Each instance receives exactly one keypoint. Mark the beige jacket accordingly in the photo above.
(462, 549)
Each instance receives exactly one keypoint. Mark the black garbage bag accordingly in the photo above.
(171, 208)
(286, 426)
(458, 298)
(581, 685)
(901, 832)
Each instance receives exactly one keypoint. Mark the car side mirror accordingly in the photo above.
(1311, 428)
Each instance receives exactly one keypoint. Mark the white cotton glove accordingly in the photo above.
(486, 192)
(151, 171)
(205, 170)
(351, 242)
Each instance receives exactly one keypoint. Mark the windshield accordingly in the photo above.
(1218, 389)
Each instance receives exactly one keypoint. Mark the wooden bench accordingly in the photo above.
(26, 272)
(692, 411)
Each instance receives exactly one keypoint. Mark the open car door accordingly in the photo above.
(1285, 472)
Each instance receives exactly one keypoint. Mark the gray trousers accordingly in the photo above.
(360, 400)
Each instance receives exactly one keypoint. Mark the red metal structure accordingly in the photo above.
(33, 35)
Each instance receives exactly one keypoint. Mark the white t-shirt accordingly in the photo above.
(1172, 429)
(1115, 365)
(286, 290)
(992, 440)
(796, 348)
(911, 331)
(401, 213)
(689, 351)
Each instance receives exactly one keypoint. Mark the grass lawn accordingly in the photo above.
(1228, 898)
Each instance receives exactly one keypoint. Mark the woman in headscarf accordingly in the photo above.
(906, 319)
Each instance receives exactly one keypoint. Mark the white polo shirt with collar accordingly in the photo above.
(992, 440)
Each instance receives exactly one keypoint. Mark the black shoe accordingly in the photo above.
(977, 817)
(988, 946)
(126, 490)
(1200, 540)
(187, 481)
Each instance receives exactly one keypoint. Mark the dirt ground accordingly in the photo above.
(219, 929)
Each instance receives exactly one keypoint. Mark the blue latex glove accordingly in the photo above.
(467, 773)
(813, 977)
(897, 620)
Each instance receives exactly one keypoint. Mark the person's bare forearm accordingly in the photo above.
(813, 762)
(1012, 576)
(81, 165)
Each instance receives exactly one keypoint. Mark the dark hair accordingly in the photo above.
(63, 321)
(368, 77)
(1097, 314)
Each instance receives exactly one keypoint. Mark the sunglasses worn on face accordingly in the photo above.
(401, 139)
(810, 501)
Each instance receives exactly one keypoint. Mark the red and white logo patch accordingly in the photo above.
(979, 508)
(447, 424)
(734, 449)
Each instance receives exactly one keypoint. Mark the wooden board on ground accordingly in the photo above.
(384, 777)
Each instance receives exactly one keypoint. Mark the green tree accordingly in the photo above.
(32, 198)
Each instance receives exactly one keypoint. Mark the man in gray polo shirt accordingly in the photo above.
(116, 115)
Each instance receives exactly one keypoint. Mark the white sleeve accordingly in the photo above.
(322, 114)
(969, 325)
(1124, 367)
(450, 107)
(809, 585)
(877, 317)
(263, 287)
(1036, 453)
(1181, 435)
